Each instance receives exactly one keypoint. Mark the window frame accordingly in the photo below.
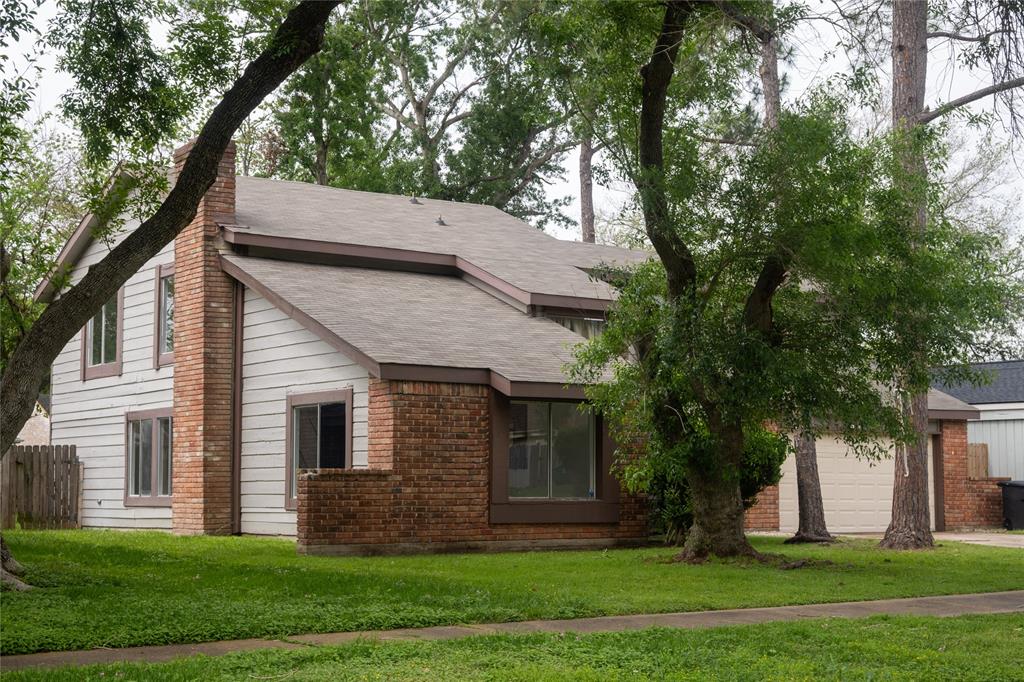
(592, 437)
(603, 508)
(160, 359)
(154, 499)
(294, 400)
(108, 369)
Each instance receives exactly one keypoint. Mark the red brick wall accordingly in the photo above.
(429, 482)
(968, 502)
(764, 514)
(203, 318)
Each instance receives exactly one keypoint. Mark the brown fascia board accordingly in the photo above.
(405, 259)
(325, 334)
(77, 243)
(402, 371)
(954, 415)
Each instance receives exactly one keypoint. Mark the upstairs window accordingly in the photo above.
(163, 329)
(552, 451)
(148, 466)
(101, 348)
(319, 432)
(587, 327)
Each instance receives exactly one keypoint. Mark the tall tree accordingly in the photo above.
(759, 308)
(996, 29)
(811, 526)
(136, 109)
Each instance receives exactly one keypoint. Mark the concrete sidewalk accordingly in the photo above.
(950, 605)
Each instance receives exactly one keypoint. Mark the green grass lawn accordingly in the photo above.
(115, 589)
(889, 648)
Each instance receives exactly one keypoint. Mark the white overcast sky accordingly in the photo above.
(812, 65)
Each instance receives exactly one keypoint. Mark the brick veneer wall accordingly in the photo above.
(428, 487)
(968, 502)
(764, 514)
(203, 347)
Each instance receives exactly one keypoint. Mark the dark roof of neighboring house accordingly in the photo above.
(1006, 386)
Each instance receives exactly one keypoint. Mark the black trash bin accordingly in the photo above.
(1013, 504)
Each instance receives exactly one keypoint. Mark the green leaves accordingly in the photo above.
(126, 90)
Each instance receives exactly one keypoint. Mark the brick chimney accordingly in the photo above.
(203, 362)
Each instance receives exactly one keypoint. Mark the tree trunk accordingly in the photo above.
(808, 487)
(717, 502)
(910, 527)
(321, 163)
(587, 189)
(298, 37)
(10, 569)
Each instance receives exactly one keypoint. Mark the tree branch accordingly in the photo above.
(964, 38)
(680, 267)
(298, 37)
(927, 116)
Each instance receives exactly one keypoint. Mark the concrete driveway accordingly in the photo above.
(992, 539)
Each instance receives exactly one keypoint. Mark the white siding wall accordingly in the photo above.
(1002, 427)
(281, 357)
(91, 414)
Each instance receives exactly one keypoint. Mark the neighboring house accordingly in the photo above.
(36, 430)
(1001, 425)
(362, 371)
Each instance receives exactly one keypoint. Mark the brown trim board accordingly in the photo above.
(236, 409)
(603, 509)
(293, 400)
(153, 500)
(954, 415)
(325, 334)
(380, 256)
(80, 239)
(110, 369)
(160, 359)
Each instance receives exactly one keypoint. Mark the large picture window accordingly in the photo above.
(163, 314)
(319, 433)
(148, 466)
(101, 347)
(551, 451)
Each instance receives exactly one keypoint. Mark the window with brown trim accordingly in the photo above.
(148, 458)
(318, 435)
(163, 316)
(550, 463)
(102, 338)
(551, 451)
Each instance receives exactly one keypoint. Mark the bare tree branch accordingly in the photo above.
(927, 116)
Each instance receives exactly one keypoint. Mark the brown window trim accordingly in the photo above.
(294, 400)
(110, 369)
(160, 359)
(603, 509)
(153, 500)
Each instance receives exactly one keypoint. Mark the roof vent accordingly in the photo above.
(440, 220)
(416, 201)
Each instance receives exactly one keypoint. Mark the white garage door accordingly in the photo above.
(857, 495)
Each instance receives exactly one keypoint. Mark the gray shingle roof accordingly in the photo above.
(419, 319)
(1007, 384)
(486, 237)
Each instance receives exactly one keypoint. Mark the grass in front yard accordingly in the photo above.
(116, 589)
(891, 648)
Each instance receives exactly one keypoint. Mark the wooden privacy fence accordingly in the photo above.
(41, 487)
(977, 460)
